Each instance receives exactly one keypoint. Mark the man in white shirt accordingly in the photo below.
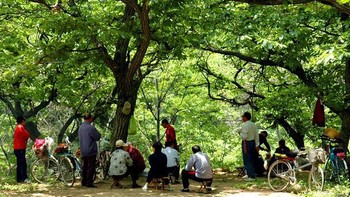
(250, 144)
(202, 169)
(173, 160)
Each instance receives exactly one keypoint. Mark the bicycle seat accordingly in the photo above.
(285, 157)
(341, 154)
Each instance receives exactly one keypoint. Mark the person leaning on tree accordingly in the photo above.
(20, 139)
(250, 144)
(88, 136)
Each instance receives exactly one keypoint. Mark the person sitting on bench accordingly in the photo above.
(158, 162)
(202, 170)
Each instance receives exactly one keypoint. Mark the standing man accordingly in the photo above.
(198, 168)
(170, 135)
(250, 144)
(88, 136)
(20, 139)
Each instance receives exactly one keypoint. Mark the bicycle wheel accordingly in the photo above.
(279, 175)
(316, 178)
(342, 170)
(45, 170)
(104, 165)
(329, 174)
(67, 171)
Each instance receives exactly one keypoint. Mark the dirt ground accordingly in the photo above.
(223, 185)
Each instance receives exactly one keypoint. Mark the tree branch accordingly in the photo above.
(341, 7)
(144, 42)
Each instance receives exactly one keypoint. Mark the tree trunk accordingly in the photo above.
(296, 136)
(121, 124)
(345, 115)
(32, 128)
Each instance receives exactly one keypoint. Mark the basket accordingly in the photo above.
(41, 152)
(61, 148)
(317, 155)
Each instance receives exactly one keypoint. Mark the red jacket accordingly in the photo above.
(170, 135)
(137, 158)
(20, 137)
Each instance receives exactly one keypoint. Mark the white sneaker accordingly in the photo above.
(144, 188)
(245, 176)
(26, 181)
(250, 179)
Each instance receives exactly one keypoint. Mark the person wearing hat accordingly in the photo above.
(250, 144)
(119, 164)
(88, 136)
(138, 164)
(20, 139)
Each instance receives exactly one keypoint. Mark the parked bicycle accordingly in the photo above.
(71, 169)
(336, 168)
(46, 167)
(283, 171)
(103, 160)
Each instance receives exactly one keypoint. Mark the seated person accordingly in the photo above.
(138, 164)
(173, 160)
(119, 163)
(158, 162)
(263, 140)
(282, 149)
(202, 169)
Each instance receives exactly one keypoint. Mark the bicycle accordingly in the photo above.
(46, 167)
(335, 168)
(282, 172)
(103, 159)
(70, 165)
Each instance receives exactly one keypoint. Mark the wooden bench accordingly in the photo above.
(203, 186)
(162, 181)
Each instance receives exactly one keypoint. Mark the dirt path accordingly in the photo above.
(223, 186)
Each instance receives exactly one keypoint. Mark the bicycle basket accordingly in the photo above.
(317, 155)
(61, 148)
(41, 152)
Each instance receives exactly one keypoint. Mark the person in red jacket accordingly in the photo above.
(20, 139)
(138, 164)
(170, 135)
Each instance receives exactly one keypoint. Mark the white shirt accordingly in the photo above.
(201, 164)
(250, 132)
(172, 155)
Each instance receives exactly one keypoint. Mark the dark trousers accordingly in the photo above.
(118, 178)
(135, 173)
(186, 175)
(89, 165)
(249, 154)
(21, 165)
(175, 171)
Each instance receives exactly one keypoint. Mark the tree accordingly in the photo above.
(295, 39)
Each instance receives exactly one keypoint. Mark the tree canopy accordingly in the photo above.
(198, 63)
